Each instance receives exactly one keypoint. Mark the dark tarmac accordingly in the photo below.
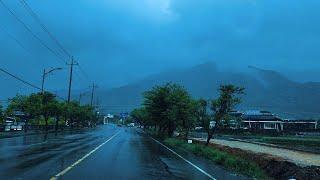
(122, 153)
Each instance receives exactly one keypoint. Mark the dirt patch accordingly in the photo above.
(274, 167)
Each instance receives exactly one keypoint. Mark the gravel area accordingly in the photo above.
(299, 158)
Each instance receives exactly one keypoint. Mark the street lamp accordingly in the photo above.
(45, 74)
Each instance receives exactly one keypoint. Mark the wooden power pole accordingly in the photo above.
(70, 77)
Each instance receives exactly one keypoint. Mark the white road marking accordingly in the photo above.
(83, 158)
(193, 165)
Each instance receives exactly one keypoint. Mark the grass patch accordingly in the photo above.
(292, 141)
(225, 159)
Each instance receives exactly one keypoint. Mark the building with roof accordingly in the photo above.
(256, 120)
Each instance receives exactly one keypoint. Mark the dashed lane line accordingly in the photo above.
(83, 158)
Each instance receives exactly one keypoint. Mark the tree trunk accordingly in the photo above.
(46, 120)
(187, 134)
(26, 126)
(210, 135)
(209, 138)
(71, 123)
(57, 124)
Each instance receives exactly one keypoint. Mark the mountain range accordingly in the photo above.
(264, 90)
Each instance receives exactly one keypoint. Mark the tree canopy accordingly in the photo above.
(170, 107)
(45, 106)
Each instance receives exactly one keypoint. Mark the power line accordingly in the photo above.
(13, 38)
(37, 19)
(26, 82)
(30, 31)
(83, 72)
(20, 79)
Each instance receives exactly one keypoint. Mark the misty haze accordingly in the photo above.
(159, 89)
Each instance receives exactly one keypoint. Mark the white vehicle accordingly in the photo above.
(131, 125)
(11, 124)
(8, 123)
(198, 128)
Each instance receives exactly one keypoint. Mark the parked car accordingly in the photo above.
(130, 125)
(11, 124)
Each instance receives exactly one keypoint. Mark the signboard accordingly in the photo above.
(124, 115)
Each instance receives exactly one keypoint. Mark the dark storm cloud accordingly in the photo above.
(119, 41)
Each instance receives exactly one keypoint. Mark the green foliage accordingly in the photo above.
(225, 159)
(168, 107)
(140, 115)
(202, 114)
(45, 109)
(17, 103)
(226, 102)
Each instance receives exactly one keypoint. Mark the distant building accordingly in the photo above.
(299, 125)
(256, 120)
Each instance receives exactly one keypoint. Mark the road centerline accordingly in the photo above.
(187, 161)
(83, 158)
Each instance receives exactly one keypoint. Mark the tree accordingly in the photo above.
(168, 107)
(140, 115)
(18, 103)
(226, 102)
(157, 103)
(182, 110)
(48, 106)
(203, 116)
(72, 112)
(86, 115)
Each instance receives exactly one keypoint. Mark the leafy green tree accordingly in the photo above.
(181, 110)
(33, 106)
(168, 107)
(140, 115)
(157, 103)
(86, 115)
(72, 112)
(18, 103)
(45, 105)
(59, 113)
(228, 99)
(48, 106)
(203, 116)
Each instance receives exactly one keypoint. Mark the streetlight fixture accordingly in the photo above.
(45, 74)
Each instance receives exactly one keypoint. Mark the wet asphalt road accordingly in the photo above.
(130, 154)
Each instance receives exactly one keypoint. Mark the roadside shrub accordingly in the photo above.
(224, 159)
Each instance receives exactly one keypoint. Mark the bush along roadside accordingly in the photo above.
(229, 161)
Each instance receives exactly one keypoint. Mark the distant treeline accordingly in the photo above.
(45, 109)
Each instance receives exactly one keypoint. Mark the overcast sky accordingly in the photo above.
(119, 41)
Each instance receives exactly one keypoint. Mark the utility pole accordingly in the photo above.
(92, 93)
(70, 77)
(42, 84)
